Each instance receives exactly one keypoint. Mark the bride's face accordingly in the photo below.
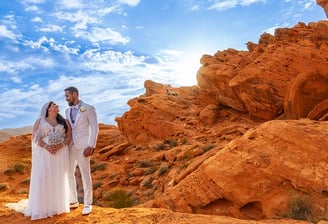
(53, 107)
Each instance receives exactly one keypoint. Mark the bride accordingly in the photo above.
(49, 189)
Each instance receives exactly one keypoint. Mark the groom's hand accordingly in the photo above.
(88, 151)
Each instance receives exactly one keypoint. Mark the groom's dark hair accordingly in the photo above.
(72, 89)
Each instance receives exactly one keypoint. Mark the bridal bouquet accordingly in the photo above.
(55, 138)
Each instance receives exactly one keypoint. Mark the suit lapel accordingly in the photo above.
(77, 116)
(79, 112)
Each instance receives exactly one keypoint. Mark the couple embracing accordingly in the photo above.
(58, 146)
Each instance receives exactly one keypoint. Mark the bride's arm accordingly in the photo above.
(35, 130)
(68, 134)
(37, 138)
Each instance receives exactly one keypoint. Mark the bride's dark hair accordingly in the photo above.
(60, 119)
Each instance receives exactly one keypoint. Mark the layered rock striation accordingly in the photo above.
(285, 74)
(259, 175)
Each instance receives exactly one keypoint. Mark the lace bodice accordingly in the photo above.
(52, 134)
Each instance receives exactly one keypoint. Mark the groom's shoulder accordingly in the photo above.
(88, 106)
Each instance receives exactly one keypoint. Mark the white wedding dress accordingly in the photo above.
(49, 188)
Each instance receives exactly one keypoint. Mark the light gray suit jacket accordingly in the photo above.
(85, 128)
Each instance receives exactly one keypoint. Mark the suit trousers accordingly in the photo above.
(76, 158)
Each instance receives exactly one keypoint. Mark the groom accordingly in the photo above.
(84, 123)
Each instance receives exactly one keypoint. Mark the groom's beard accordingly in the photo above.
(70, 103)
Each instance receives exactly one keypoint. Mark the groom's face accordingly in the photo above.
(69, 98)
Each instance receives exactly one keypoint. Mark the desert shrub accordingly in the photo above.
(149, 170)
(184, 141)
(9, 171)
(97, 185)
(113, 175)
(145, 163)
(19, 168)
(208, 147)
(16, 168)
(130, 174)
(163, 169)
(160, 147)
(172, 143)
(184, 164)
(139, 148)
(149, 193)
(92, 161)
(100, 166)
(300, 208)
(4, 186)
(25, 181)
(148, 183)
(23, 191)
(119, 198)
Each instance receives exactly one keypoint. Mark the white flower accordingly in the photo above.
(82, 109)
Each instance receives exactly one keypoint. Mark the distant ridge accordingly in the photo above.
(6, 133)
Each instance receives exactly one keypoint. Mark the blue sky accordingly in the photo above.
(108, 48)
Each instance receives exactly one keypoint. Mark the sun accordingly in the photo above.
(187, 66)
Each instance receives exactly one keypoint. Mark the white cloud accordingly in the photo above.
(222, 5)
(271, 30)
(170, 53)
(32, 8)
(103, 35)
(227, 4)
(307, 4)
(64, 49)
(71, 4)
(29, 103)
(16, 67)
(7, 67)
(195, 7)
(39, 62)
(37, 19)
(51, 28)
(9, 28)
(16, 79)
(5, 115)
(110, 60)
(33, 1)
(105, 10)
(12, 48)
(129, 2)
(52, 45)
(249, 2)
(4, 32)
(80, 19)
(36, 44)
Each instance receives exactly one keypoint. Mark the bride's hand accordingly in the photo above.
(51, 149)
(58, 146)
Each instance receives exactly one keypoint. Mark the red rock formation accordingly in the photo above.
(260, 81)
(324, 5)
(284, 76)
(305, 93)
(256, 176)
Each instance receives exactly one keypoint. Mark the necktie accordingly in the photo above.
(74, 110)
